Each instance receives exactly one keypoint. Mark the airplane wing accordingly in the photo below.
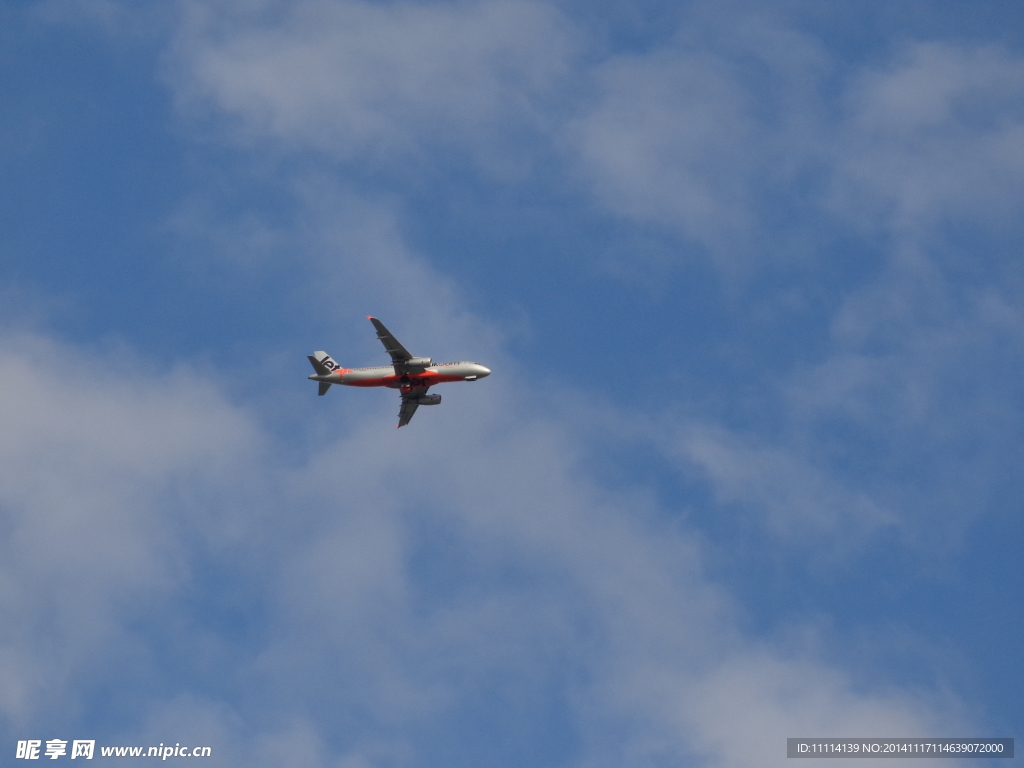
(399, 354)
(409, 404)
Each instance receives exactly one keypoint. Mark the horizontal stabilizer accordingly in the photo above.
(324, 386)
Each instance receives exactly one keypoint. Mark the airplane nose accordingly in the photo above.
(484, 372)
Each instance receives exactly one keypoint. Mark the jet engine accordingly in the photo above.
(417, 362)
(429, 400)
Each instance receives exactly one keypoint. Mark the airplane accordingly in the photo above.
(412, 375)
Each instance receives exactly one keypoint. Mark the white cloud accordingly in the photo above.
(935, 136)
(396, 594)
(797, 501)
(89, 453)
(736, 138)
(374, 80)
(901, 426)
(795, 698)
(701, 134)
(542, 575)
(671, 141)
(691, 138)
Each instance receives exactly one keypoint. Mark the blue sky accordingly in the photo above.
(749, 279)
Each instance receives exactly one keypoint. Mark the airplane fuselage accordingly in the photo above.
(385, 376)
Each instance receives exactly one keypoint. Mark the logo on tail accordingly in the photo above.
(323, 363)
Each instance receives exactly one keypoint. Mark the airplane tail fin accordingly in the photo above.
(322, 363)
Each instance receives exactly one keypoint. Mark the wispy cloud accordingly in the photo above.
(372, 81)
(91, 462)
(933, 137)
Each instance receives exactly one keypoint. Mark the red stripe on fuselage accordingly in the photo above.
(425, 379)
